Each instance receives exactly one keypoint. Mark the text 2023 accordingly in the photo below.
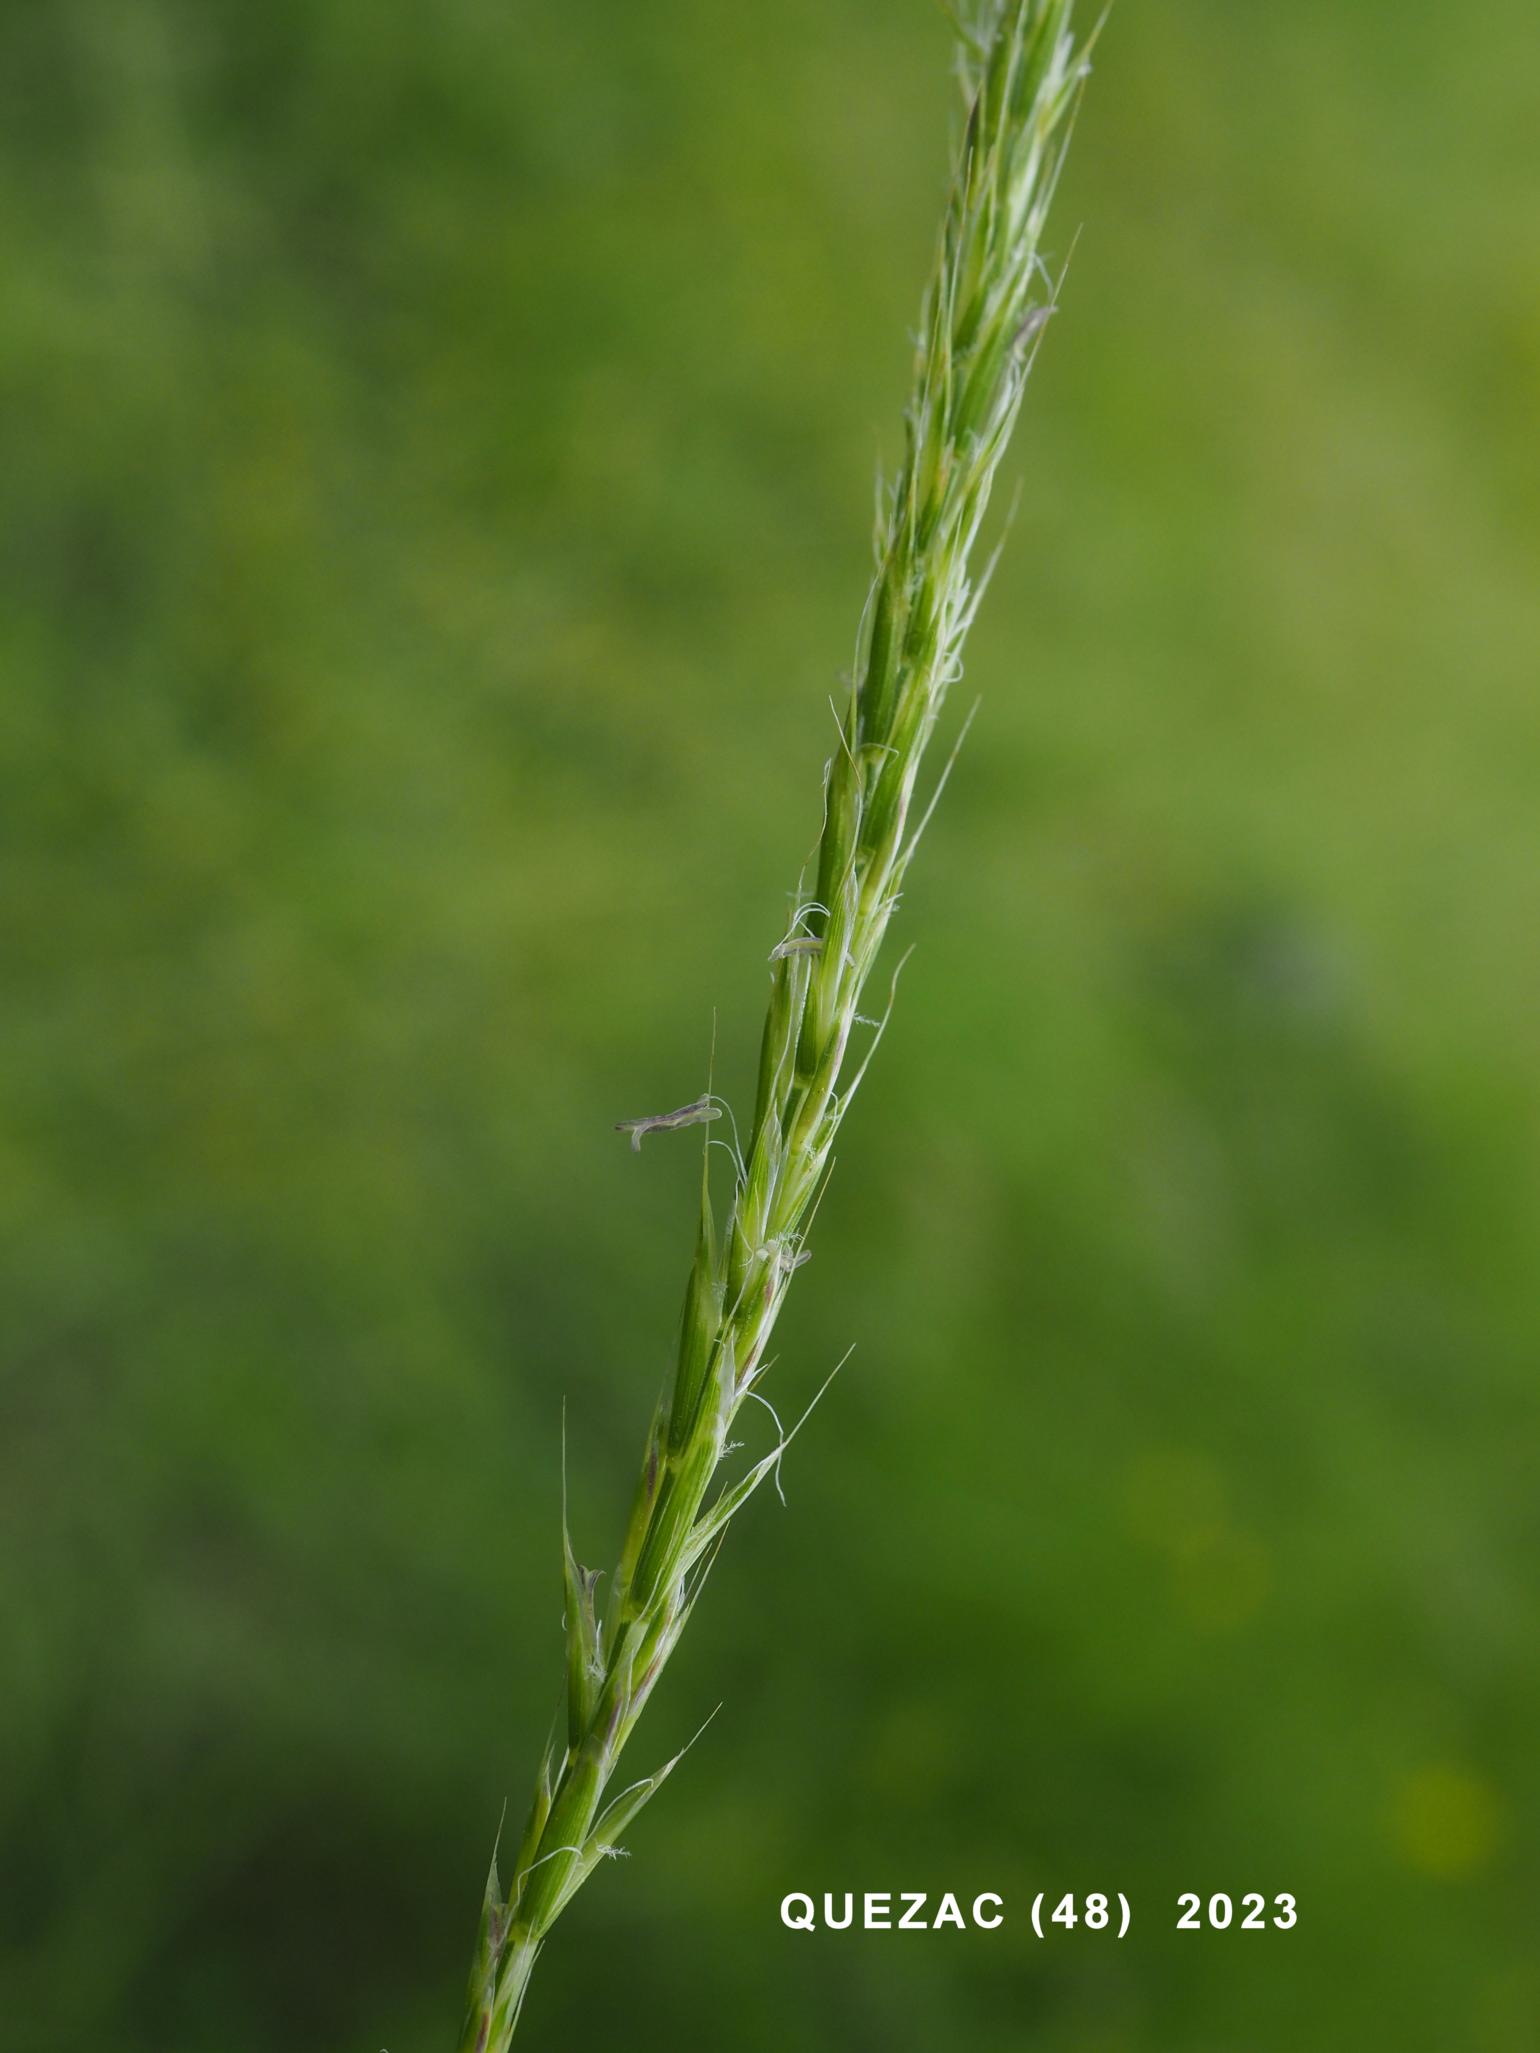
(1218, 1914)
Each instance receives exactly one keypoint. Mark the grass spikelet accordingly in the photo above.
(981, 323)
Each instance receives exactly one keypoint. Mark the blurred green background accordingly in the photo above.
(435, 513)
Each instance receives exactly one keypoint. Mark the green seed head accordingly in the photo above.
(982, 317)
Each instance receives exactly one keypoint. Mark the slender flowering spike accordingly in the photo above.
(981, 324)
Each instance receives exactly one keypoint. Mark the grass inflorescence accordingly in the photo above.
(982, 321)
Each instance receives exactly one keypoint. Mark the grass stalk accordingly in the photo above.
(982, 320)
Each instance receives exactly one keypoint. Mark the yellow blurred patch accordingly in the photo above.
(1447, 1821)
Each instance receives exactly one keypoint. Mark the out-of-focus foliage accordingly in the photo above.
(433, 518)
